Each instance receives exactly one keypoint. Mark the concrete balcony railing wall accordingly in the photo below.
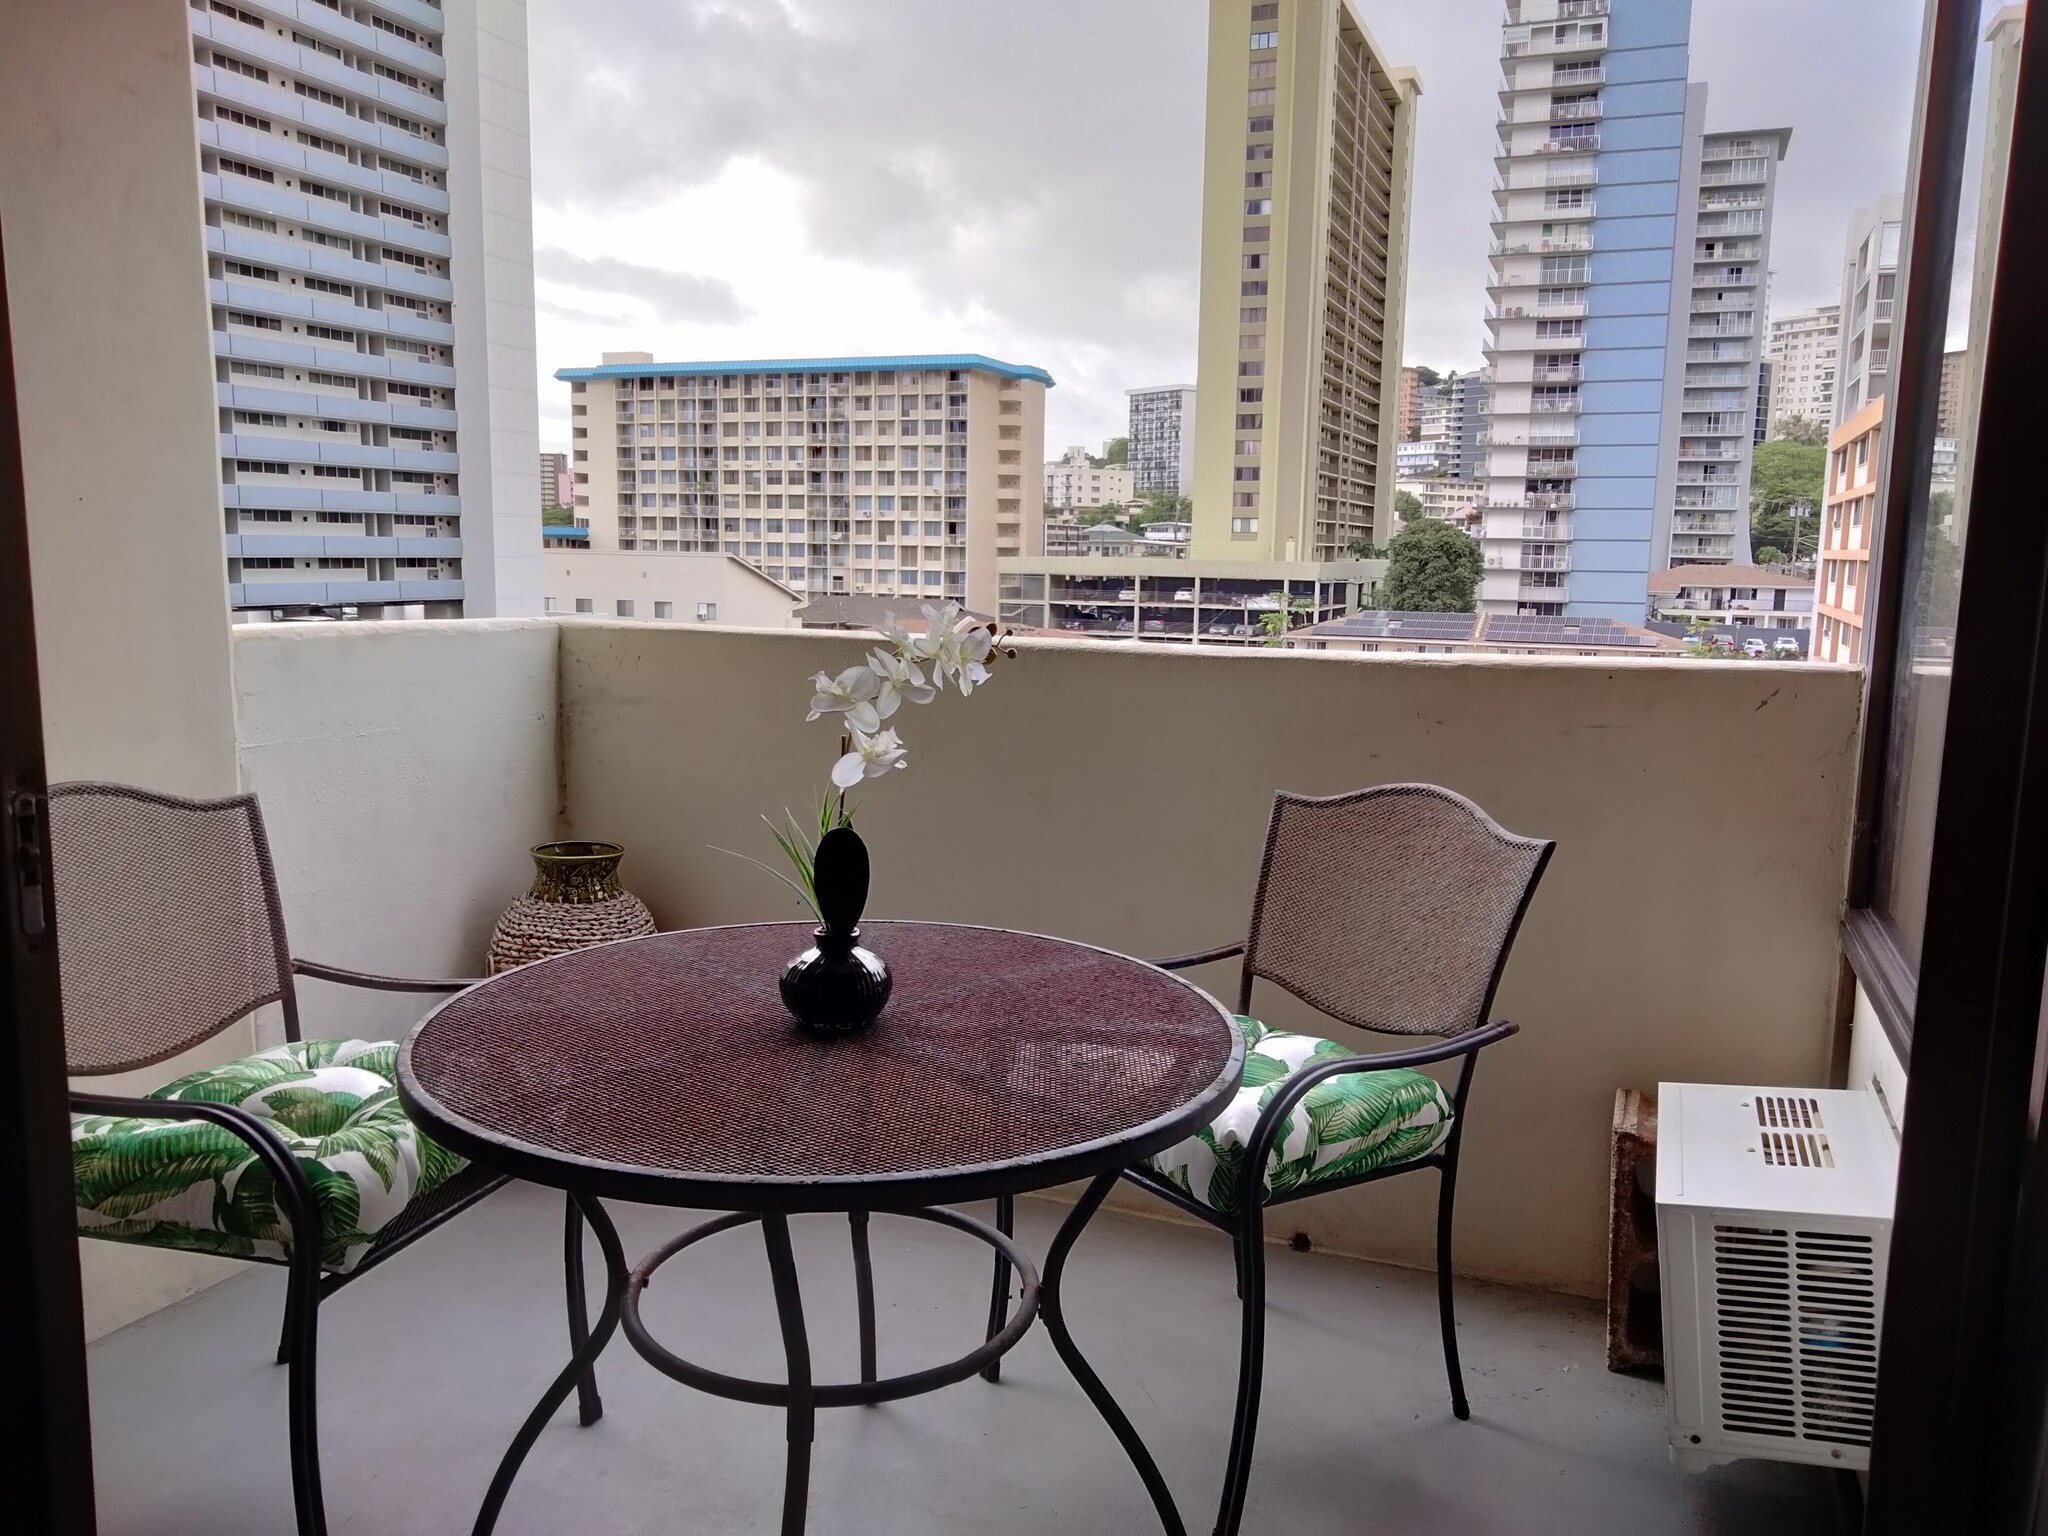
(405, 768)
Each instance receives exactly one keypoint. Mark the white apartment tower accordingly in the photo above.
(1870, 278)
(1721, 383)
(1803, 352)
(369, 250)
(1162, 436)
(892, 476)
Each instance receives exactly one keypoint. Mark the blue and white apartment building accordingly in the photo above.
(1625, 330)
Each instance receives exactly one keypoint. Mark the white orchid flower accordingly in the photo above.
(958, 645)
(853, 693)
(898, 678)
(871, 757)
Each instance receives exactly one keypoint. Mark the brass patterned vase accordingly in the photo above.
(576, 901)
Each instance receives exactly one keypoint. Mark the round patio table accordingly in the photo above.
(665, 1070)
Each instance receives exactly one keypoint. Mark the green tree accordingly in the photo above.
(1164, 507)
(1108, 512)
(1427, 377)
(1117, 451)
(556, 517)
(1406, 505)
(1364, 549)
(1432, 567)
(1276, 623)
(1770, 554)
(1803, 430)
(1782, 473)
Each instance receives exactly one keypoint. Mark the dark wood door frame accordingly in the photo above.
(43, 1416)
(1962, 1386)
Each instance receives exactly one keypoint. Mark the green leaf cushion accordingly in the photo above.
(187, 1184)
(1347, 1125)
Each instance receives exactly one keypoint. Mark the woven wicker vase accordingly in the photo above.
(576, 901)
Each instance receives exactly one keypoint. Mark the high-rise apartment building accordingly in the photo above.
(1624, 334)
(1307, 181)
(1725, 267)
(1410, 405)
(1802, 355)
(557, 484)
(894, 476)
(1072, 482)
(370, 259)
(1948, 409)
(1162, 439)
(1870, 279)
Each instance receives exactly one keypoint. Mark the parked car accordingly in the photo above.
(1154, 626)
(1127, 595)
(1786, 647)
(1184, 595)
(1755, 647)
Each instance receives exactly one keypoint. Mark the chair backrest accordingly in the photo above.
(1390, 908)
(168, 922)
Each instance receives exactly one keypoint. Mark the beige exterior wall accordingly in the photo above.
(459, 744)
(1003, 469)
(102, 227)
(1728, 975)
(1333, 256)
(665, 587)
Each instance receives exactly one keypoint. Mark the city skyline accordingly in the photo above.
(997, 244)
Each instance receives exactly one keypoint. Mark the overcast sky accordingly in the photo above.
(775, 178)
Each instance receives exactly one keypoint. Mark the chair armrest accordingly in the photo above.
(1200, 957)
(347, 978)
(1260, 1147)
(261, 1138)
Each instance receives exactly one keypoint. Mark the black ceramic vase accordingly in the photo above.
(836, 987)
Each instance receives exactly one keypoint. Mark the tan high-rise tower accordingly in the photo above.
(1306, 184)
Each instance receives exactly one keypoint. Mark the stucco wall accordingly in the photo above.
(106, 285)
(404, 770)
(1119, 794)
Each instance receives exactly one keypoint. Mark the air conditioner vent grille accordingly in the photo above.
(1795, 1333)
(1795, 1149)
(1788, 1112)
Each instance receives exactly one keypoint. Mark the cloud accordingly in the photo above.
(671, 295)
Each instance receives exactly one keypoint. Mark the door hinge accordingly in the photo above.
(27, 816)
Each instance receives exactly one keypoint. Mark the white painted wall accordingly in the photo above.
(490, 221)
(404, 770)
(106, 285)
(1685, 932)
(743, 596)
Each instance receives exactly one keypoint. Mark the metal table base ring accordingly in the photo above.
(851, 1394)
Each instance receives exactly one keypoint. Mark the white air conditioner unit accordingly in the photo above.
(1774, 1221)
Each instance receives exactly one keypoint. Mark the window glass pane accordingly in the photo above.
(1939, 520)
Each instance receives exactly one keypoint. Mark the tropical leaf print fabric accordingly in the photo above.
(1348, 1125)
(187, 1184)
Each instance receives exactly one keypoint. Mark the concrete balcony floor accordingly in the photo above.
(428, 1365)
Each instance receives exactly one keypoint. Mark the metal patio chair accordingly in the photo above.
(1392, 909)
(170, 930)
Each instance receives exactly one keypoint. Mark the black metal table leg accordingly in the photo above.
(579, 1366)
(999, 1293)
(864, 1292)
(803, 1407)
(1053, 1309)
(589, 1406)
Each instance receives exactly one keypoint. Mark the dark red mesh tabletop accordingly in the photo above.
(666, 1070)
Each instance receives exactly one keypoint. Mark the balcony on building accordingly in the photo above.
(1111, 793)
